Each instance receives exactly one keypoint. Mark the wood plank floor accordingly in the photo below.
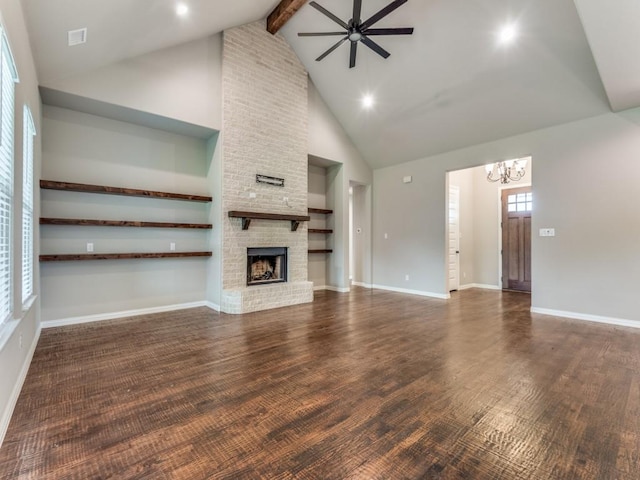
(366, 385)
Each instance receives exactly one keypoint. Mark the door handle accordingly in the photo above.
(457, 251)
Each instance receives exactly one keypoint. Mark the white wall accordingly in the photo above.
(83, 148)
(590, 267)
(181, 82)
(19, 337)
(464, 180)
(328, 140)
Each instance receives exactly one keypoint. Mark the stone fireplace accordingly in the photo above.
(264, 132)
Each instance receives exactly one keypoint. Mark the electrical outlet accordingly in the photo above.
(406, 277)
(285, 199)
(172, 246)
(89, 247)
(386, 236)
(252, 194)
(547, 232)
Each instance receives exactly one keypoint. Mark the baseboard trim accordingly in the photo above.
(123, 314)
(443, 296)
(484, 286)
(621, 322)
(17, 388)
(332, 289)
(361, 284)
(213, 306)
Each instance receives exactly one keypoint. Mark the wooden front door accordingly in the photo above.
(517, 204)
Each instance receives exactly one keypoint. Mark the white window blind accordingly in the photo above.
(28, 133)
(8, 78)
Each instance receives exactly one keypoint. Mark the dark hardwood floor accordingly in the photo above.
(367, 385)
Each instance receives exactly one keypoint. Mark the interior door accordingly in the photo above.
(517, 205)
(454, 237)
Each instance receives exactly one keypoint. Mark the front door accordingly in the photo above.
(517, 204)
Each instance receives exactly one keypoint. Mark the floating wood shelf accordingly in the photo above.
(119, 256)
(319, 230)
(129, 192)
(120, 223)
(322, 211)
(321, 251)
(248, 216)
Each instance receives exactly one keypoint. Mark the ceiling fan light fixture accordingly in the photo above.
(358, 31)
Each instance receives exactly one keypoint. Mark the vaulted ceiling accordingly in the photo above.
(449, 85)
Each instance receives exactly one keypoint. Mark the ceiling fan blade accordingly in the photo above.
(331, 49)
(375, 47)
(352, 56)
(321, 9)
(389, 31)
(357, 10)
(382, 13)
(320, 34)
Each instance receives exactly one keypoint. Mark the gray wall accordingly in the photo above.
(328, 140)
(585, 184)
(83, 148)
(19, 337)
(361, 234)
(181, 82)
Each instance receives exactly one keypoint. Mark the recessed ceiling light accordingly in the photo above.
(507, 34)
(182, 9)
(367, 101)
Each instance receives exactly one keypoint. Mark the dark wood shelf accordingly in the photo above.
(319, 230)
(120, 223)
(321, 211)
(129, 192)
(248, 216)
(119, 256)
(321, 251)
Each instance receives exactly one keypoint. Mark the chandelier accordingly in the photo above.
(507, 171)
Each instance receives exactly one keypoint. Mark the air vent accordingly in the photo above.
(76, 37)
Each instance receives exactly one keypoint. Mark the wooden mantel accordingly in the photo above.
(248, 216)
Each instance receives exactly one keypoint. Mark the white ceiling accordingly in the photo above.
(447, 86)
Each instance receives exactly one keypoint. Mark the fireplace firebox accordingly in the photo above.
(266, 265)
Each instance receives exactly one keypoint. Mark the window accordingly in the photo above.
(28, 132)
(521, 202)
(8, 78)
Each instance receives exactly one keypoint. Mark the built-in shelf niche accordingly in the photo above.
(325, 231)
(123, 191)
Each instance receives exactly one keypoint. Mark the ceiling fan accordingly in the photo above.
(358, 31)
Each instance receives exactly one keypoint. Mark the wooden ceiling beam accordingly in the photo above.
(282, 13)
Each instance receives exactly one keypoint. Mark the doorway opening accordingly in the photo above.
(474, 233)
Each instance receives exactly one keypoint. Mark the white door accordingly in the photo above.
(454, 237)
